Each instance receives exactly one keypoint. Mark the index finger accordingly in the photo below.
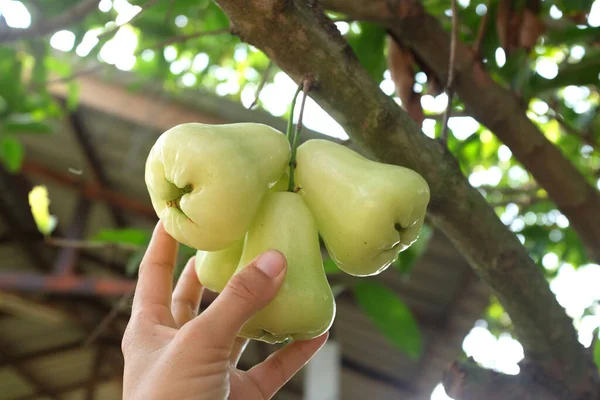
(155, 278)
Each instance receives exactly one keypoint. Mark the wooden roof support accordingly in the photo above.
(71, 388)
(89, 190)
(92, 385)
(82, 136)
(68, 257)
(11, 216)
(7, 361)
(39, 386)
(66, 284)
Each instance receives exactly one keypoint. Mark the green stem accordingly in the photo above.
(290, 126)
(296, 136)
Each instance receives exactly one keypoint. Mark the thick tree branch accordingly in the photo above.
(467, 381)
(493, 106)
(41, 28)
(308, 43)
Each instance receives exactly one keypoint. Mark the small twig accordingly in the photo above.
(305, 89)
(346, 20)
(82, 244)
(449, 82)
(76, 74)
(112, 31)
(263, 81)
(454, 113)
(169, 12)
(42, 28)
(481, 34)
(523, 202)
(527, 188)
(574, 132)
(114, 312)
(306, 85)
(184, 38)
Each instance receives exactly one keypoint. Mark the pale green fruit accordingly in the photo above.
(206, 182)
(304, 306)
(367, 212)
(214, 268)
(282, 184)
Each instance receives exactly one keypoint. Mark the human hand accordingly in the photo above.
(171, 352)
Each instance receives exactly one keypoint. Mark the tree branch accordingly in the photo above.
(263, 81)
(308, 43)
(450, 78)
(41, 28)
(492, 105)
(185, 38)
(467, 381)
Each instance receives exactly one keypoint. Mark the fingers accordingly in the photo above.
(270, 375)
(238, 349)
(187, 295)
(246, 293)
(155, 281)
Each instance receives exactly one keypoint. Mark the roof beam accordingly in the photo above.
(92, 385)
(142, 110)
(10, 208)
(67, 284)
(83, 138)
(68, 257)
(89, 190)
(39, 386)
(71, 388)
(7, 361)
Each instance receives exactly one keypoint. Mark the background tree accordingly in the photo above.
(512, 158)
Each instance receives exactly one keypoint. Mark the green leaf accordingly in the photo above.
(573, 35)
(11, 154)
(72, 96)
(11, 85)
(582, 73)
(574, 6)
(25, 123)
(391, 316)
(369, 48)
(596, 345)
(187, 251)
(39, 50)
(409, 257)
(331, 267)
(62, 68)
(133, 263)
(133, 236)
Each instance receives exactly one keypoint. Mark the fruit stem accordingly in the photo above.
(305, 86)
(290, 125)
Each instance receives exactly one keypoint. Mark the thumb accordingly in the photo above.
(246, 293)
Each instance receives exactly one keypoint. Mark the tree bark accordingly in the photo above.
(303, 42)
(467, 381)
(492, 105)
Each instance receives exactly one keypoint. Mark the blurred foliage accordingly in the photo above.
(556, 80)
(597, 352)
(391, 316)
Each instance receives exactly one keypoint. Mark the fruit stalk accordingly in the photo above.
(294, 143)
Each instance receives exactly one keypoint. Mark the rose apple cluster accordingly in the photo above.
(223, 190)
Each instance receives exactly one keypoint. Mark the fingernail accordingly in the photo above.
(271, 263)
